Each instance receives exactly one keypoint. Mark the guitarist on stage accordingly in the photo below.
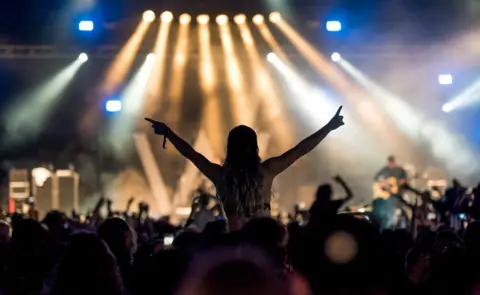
(384, 208)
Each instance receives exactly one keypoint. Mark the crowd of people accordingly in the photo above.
(232, 245)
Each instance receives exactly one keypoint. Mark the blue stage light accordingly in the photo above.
(113, 106)
(334, 26)
(445, 79)
(86, 26)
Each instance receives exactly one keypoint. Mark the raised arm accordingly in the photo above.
(209, 169)
(345, 186)
(277, 165)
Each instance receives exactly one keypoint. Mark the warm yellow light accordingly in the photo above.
(222, 19)
(258, 19)
(240, 19)
(148, 16)
(185, 18)
(41, 175)
(167, 16)
(203, 19)
(275, 17)
(151, 57)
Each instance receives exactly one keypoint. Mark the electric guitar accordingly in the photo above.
(385, 188)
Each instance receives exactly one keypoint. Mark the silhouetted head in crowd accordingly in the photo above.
(28, 236)
(169, 266)
(120, 238)
(88, 267)
(56, 223)
(265, 231)
(324, 193)
(5, 232)
(269, 236)
(242, 149)
(472, 238)
(238, 278)
(456, 183)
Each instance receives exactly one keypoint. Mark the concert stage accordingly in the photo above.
(203, 75)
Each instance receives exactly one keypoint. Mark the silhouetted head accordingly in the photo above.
(28, 235)
(472, 238)
(237, 278)
(324, 193)
(5, 232)
(120, 238)
(242, 148)
(391, 161)
(88, 266)
(456, 183)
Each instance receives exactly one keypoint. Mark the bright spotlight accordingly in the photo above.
(166, 16)
(113, 106)
(203, 19)
(258, 19)
(185, 18)
(83, 57)
(222, 19)
(85, 26)
(271, 57)
(151, 57)
(240, 19)
(148, 16)
(334, 26)
(447, 108)
(336, 57)
(445, 79)
(275, 17)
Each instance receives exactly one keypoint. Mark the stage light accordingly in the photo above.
(151, 57)
(167, 16)
(445, 79)
(334, 26)
(83, 57)
(271, 57)
(240, 19)
(203, 19)
(258, 19)
(447, 108)
(185, 18)
(222, 19)
(85, 25)
(336, 57)
(149, 16)
(41, 175)
(113, 106)
(275, 17)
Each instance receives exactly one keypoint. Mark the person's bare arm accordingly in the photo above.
(209, 169)
(277, 165)
(345, 186)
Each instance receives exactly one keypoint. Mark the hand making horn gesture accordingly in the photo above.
(337, 120)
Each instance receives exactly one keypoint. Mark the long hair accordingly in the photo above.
(241, 187)
(121, 240)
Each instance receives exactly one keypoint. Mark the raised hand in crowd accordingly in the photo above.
(337, 120)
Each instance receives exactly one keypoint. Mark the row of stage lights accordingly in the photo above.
(203, 19)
